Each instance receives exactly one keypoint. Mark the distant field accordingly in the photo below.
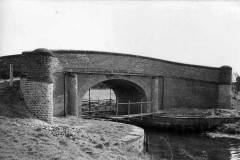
(100, 94)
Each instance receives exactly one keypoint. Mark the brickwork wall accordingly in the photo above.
(224, 96)
(108, 62)
(179, 85)
(190, 94)
(37, 79)
(72, 92)
(58, 94)
(39, 67)
(224, 88)
(39, 98)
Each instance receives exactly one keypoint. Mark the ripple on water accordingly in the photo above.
(191, 146)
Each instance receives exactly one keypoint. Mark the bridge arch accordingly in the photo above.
(125, 89)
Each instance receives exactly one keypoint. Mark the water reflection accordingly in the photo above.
(235, 152)
(169, 145)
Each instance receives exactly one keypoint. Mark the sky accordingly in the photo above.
(203, 33)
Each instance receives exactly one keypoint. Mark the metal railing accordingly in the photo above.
(143, 105)
(93, 106)
(114, 107)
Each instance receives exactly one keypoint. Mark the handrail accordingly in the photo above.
(96, 100)
(114, 107)
(93, 100)
(137, 102)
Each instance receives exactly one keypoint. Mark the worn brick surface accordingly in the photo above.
(38, 97)
(72, 92)
(39, 67)
(178, 85)
(107, 62)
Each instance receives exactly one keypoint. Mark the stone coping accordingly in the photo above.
(135, 139)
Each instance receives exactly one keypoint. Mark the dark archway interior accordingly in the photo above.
(125, 92)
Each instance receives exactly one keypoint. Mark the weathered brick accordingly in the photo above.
(166, 84)
(38, 97)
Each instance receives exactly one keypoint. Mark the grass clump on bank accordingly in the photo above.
(68, 138)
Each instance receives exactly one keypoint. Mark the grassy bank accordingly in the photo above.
(67, 138)
(24, 137)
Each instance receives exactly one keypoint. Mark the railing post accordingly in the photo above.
(117, 108)
(141, 108)
(89, 101)
(129, 105)
(64, 95)
(11, 75)
(110, 96)
(153, 113)
(98, 106)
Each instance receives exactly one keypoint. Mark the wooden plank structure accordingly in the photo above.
(11, 75)
(159, 119)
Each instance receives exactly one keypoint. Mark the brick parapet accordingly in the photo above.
(103, 62)
(225, 75)
(74, 61)
(39, 66)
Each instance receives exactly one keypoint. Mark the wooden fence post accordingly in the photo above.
(64, 95)
(117, 108)
(141, 108)
(129, 105)
(98, 105)
(89, 101)
(11, 75)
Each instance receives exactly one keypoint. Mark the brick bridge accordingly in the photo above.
(53, 82)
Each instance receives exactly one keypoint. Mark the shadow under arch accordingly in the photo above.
(125, 91)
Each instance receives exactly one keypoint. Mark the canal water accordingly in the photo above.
(162, 145)
(166, 145)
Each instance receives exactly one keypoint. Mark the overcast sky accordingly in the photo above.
(203, 33)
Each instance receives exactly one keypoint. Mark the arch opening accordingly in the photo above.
(115, 96)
